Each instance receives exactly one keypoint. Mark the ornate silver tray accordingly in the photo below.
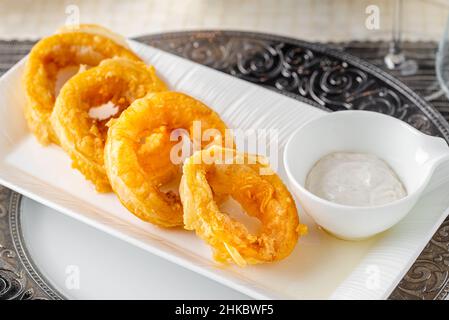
(325, 76)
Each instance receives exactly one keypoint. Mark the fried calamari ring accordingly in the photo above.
(138, 152)
(118, 80)
(262, 196)
(86, 45)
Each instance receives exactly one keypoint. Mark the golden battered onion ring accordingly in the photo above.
(137, 152)
(95, 30)
(86, 45)
(262, 196)
(118, 80)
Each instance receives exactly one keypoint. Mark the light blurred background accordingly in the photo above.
(313, 20)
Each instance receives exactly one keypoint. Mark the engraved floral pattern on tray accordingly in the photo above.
(16, 279)
(328, 78)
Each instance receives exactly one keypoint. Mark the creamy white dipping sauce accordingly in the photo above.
(355, 179)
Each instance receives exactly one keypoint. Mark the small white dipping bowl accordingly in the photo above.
(410, 153)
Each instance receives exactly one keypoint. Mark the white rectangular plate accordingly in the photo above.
(321, 266)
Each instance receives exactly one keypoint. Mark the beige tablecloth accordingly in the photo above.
(315, 20)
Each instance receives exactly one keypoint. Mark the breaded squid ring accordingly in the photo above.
(85, 45)
(263, 196)
(118, 80)
(137, 152)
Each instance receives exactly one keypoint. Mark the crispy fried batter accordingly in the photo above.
(132, 151)
(118, 80)
(137, 152)
(262, 196)
(86, 45)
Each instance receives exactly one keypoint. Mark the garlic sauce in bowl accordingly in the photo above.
(355, 179)
(358, 173)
